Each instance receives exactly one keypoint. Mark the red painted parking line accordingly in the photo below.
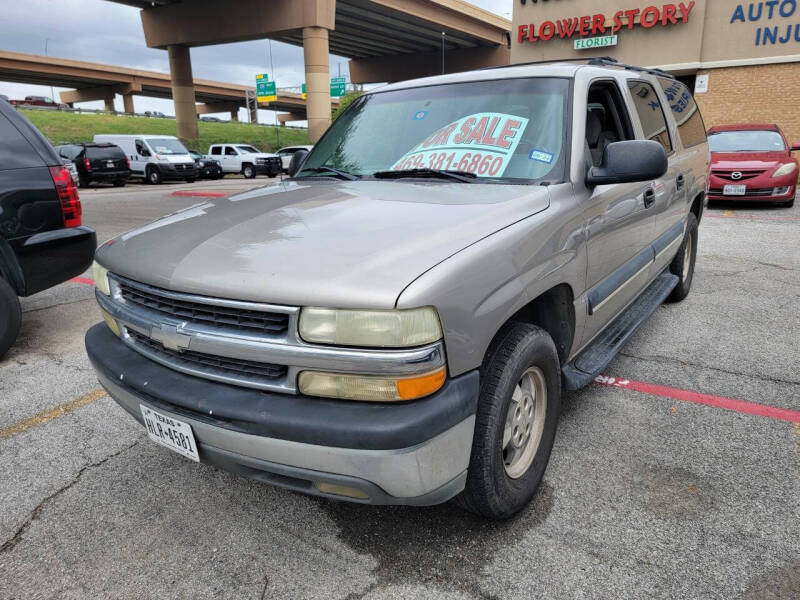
(199, 193)
(751, 408)
(83, 280)
(751, 217)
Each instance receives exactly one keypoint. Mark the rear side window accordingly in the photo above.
(691, 128)
(101, 152)
(230, 151)
(651, 113)
(216, 150)
(15, 151)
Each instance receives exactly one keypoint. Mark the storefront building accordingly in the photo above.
(742, 59)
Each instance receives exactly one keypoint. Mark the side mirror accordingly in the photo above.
(629, 161)
(298, 158)
(796, 147)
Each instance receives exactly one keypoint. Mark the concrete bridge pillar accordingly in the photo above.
(109, 102)
(127, 103)
(318, 92)
(180, 70)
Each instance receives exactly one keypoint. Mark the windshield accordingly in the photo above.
(249, 149)
(746, 141)
(166, 146)
(509, 130)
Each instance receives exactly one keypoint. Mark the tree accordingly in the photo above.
(346, 101)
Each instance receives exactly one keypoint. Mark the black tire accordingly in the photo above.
(153, 176)
(191, 180)
(10, 316)
(83, 181)
(273, 175)
(119, 183)
(248, 171)
(678, 267)
(490, 490)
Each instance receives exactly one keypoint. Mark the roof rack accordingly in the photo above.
(597, 61)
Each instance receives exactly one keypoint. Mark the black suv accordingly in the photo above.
(42, 241)
(97, 162)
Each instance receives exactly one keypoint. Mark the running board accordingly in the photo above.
(595, 357)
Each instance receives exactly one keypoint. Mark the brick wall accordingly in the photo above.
(755, 94)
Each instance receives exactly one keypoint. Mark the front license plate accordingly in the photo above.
(170, 432)
(734, 190)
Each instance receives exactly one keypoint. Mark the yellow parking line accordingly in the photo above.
(45, 416)
(728, 213)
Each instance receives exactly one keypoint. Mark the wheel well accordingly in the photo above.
(697, 207)
(554, 312)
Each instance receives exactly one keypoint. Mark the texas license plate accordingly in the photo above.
(734, 190)
(170, 432)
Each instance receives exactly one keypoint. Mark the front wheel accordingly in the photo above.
(248, 171)
(515, 425)
(10, 316)
(153, 176)
(683, 263)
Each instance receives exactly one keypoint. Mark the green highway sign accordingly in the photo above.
(265, 89)
(338, 86)
(304, 91)
(596, 42)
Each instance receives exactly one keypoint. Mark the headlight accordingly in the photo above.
(785, 170)
(369, 387)
(370, 328)
(202, 163)
(100, 276)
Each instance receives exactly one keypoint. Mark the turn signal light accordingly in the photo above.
(370, 388)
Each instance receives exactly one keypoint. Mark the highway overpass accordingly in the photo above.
(94, 81)
(386, 40)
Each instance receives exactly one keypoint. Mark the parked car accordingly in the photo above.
(38, 101)
(73, 170)
(97, 162)
(395, 324)
(287, 152)
(752, 162)
(42, 240)
(210, 119)
(207, 168)
(155, 158)
(245, 159)
(155, 113)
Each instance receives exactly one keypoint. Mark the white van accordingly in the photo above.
(155, 158)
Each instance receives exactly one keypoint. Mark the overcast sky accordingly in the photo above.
(111, 33)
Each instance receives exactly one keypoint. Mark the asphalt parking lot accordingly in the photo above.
(660, 484)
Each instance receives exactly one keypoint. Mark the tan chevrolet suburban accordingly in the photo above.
(396, 322)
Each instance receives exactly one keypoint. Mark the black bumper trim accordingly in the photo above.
(319, 421)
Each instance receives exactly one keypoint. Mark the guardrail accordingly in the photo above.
(97, 111)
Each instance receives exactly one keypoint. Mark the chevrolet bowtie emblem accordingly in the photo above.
(170, 337)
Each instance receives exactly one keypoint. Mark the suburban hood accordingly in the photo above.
(348, 244)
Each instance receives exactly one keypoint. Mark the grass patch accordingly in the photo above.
(62, 127)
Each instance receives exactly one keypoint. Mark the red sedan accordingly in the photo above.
(751, 162)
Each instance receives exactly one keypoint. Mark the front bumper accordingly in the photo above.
(761, 189)
(414, 453)
(172, 172)
(108, 175)
(268, 169)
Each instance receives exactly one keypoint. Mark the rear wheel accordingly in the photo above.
(515, 425)
(83, 181)
(153, 176)
(10, 316)
(683, 263)
(248, 171)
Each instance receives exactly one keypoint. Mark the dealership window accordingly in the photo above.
(691, 128)
(651, 113)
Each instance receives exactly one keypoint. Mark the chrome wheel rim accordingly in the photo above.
(524, 422)
(687, 257)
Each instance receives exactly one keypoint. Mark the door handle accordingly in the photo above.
(680, 181)
(649, 197)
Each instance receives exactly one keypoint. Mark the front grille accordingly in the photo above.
(218, 365)
(183, 167)
(267, 161)
(224, 317)
(746, 174)
(747, 193)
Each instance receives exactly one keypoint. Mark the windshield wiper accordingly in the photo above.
(462, 176)
(331, 170)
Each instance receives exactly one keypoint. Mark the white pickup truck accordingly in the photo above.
(245, 159)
